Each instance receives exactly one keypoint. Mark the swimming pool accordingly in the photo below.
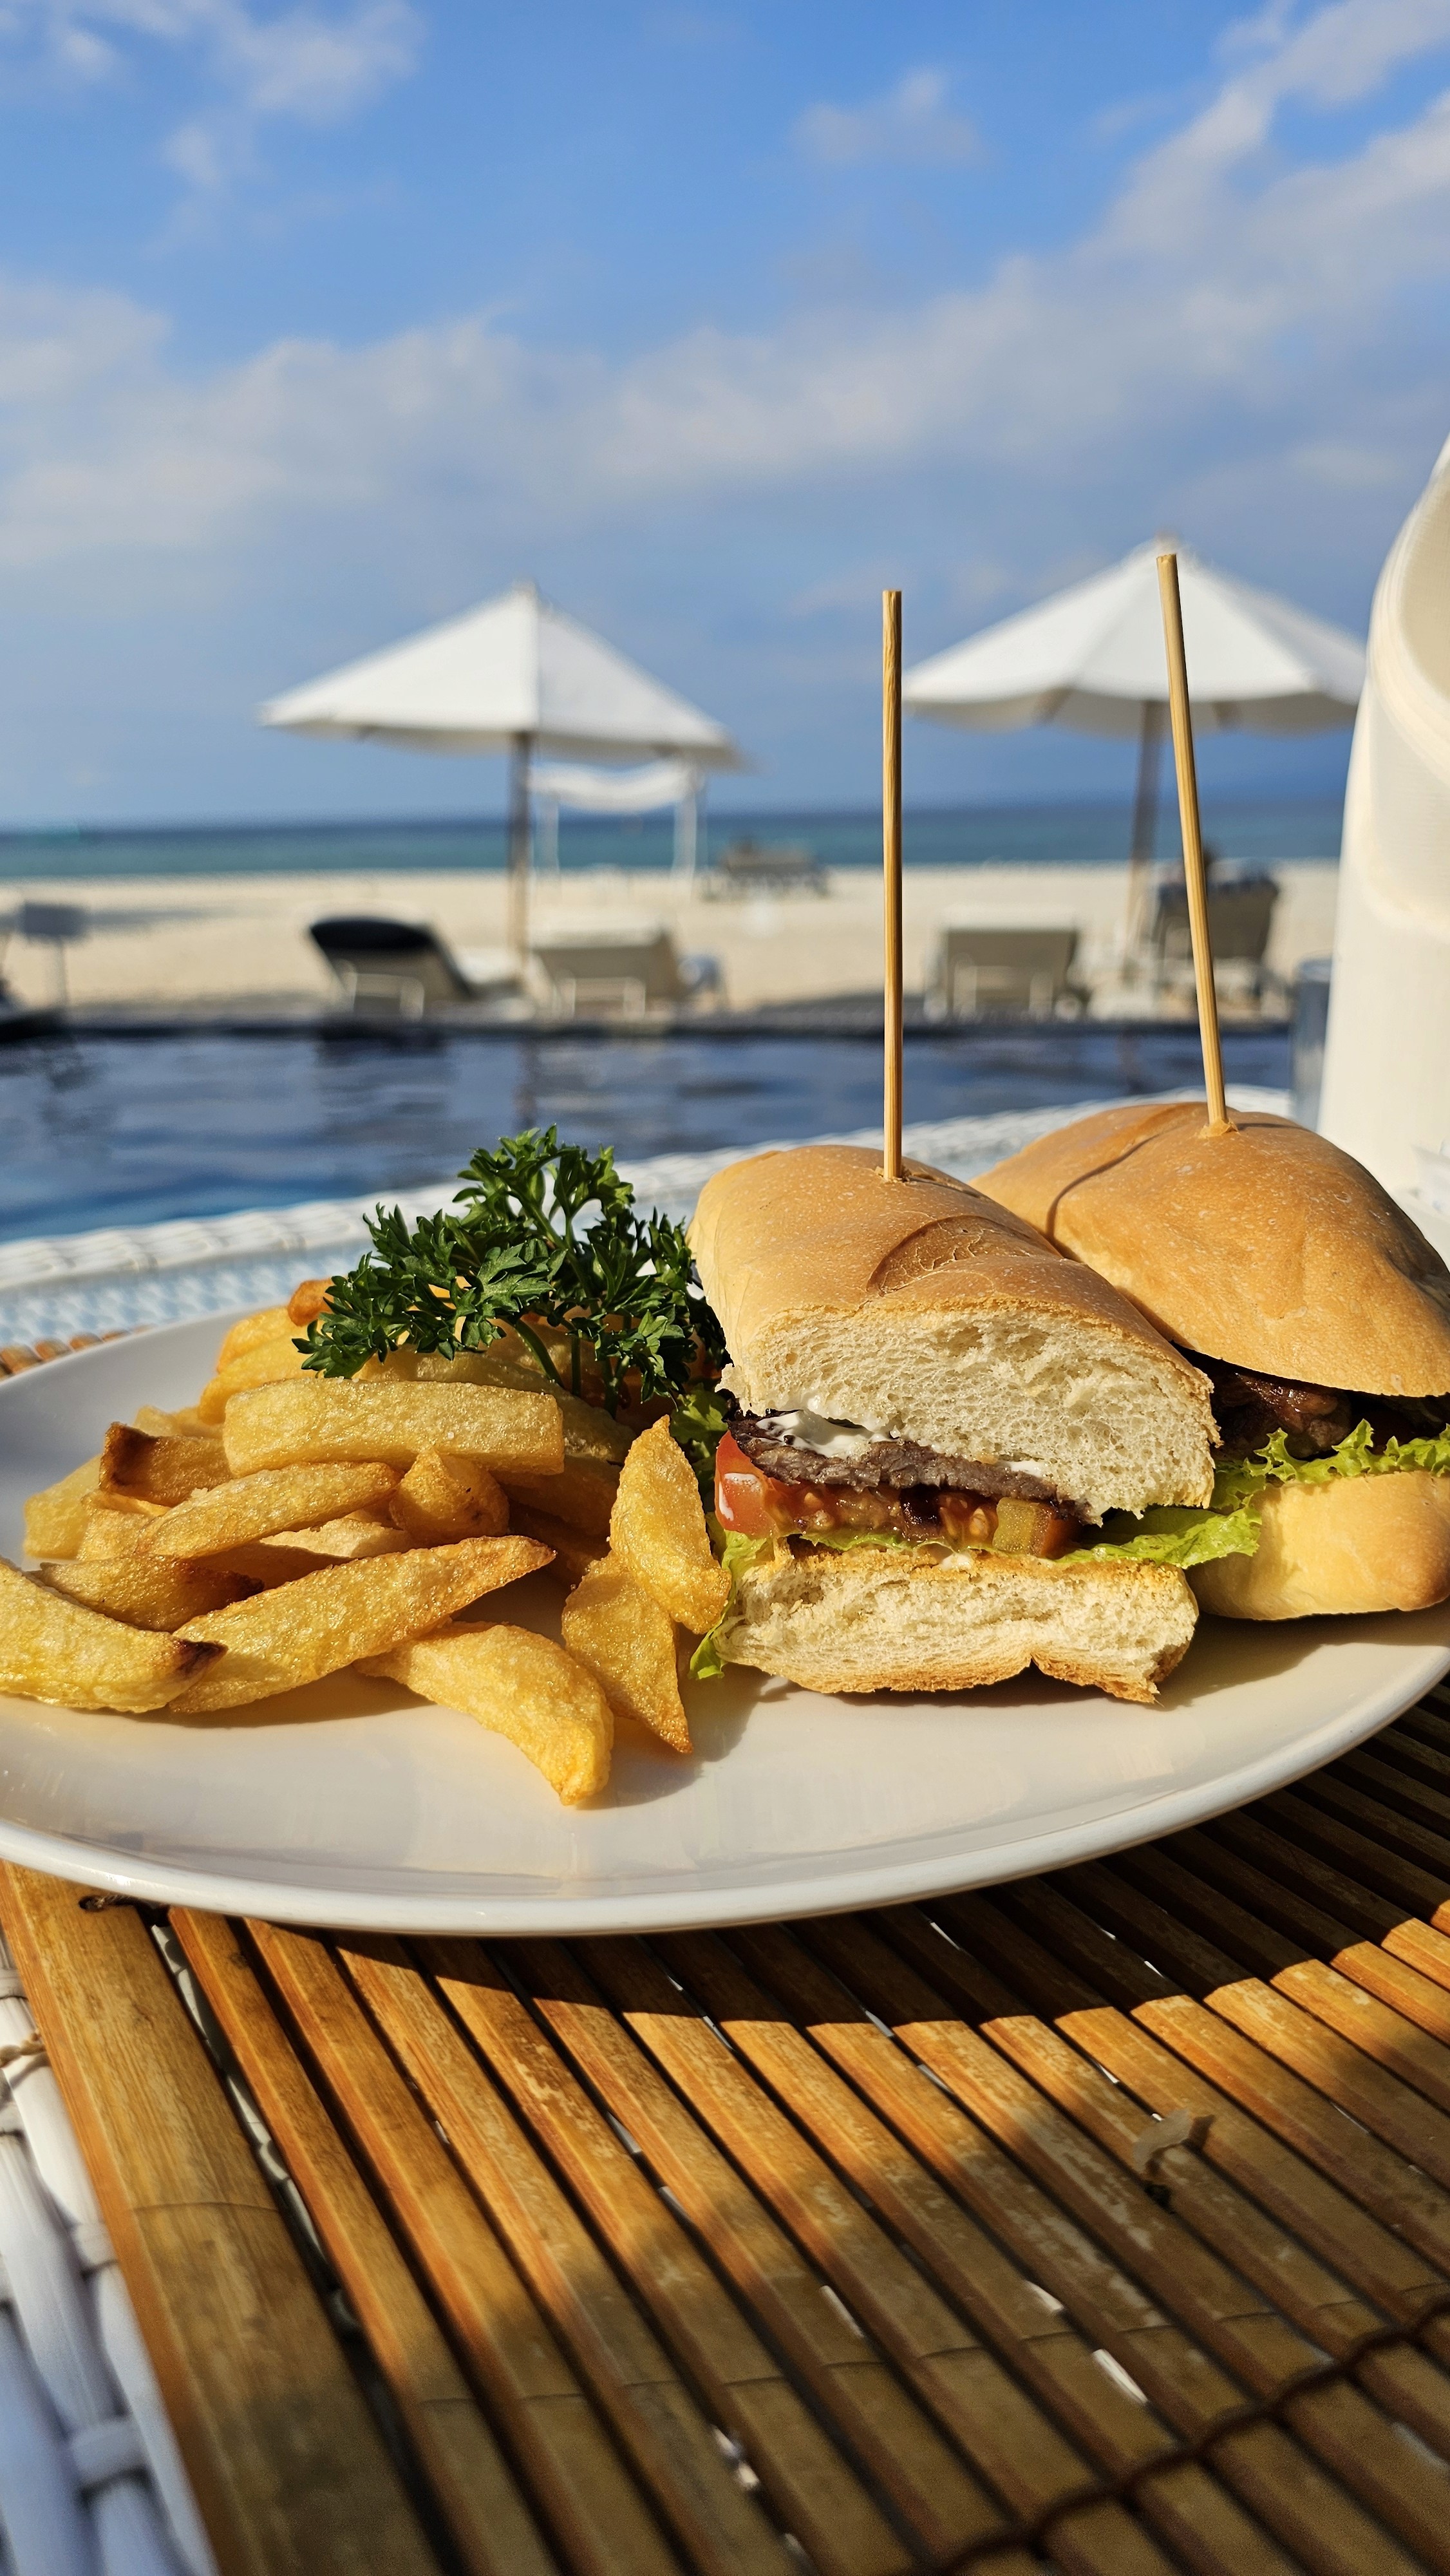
(130, 1130)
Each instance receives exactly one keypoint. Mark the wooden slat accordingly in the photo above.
(1290, 2492)
(950, 2508)
(724, 2531)
(289, 2469)
(814, 2492)
(595, 2512)
(491, 2527)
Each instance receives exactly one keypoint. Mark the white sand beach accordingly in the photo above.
(232, 940)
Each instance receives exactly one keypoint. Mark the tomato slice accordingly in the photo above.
(742, 1494)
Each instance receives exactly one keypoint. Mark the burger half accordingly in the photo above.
(1321, 1316)
(934, 1410)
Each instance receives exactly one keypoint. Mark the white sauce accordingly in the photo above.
(803, 1429)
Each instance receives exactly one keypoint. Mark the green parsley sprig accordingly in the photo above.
(620, 1286)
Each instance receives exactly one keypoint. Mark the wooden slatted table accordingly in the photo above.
(1101, 2222)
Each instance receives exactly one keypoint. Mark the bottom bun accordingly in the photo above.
(907, 1619)
(1360, 1543)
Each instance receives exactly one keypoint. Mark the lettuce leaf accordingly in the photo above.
(1355, 1456)
(735, 1553)
(1171, 1534)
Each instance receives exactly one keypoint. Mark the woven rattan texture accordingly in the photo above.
(1101, 2222)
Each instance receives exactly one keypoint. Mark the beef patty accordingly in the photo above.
(889, 1465)
(1250, 1406)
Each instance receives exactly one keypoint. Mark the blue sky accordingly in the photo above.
(318, 323)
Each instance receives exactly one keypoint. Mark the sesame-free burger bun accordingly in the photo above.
(1268, 1248)
(1357, 1543)
(904, 1619)
(920, 1309)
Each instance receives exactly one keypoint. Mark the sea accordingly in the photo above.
(1085, 834)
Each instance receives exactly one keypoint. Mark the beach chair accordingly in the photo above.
(623, 973)
(765, 867)
(1240, 919)
(407, 965)
(980, 974)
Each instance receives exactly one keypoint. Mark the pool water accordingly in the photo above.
(132, 1130)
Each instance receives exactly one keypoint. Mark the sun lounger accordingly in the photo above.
(979, 974)
(1240, 919)
(407, 965)
(756, 867)
(625, 973)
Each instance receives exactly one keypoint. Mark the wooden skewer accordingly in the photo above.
(891, 871)
(1219, 1121)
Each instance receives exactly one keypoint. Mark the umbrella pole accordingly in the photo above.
(518, 850)
(891, 870)
(1219, 1121)
(1145, 822)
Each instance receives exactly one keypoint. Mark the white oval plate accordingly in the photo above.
(349, 1804)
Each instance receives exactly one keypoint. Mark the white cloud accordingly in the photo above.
(912, 123)
(1224, 305)
(304, 64)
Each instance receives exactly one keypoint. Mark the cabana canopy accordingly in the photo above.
(515, 669)
(1092, 658)
(516, 675)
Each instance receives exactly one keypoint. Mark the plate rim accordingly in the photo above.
(839, 1890)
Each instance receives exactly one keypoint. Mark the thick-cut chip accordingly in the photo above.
(518, 1685)
(59, 1651)
(266, 1364)
(351, 1535)
(159, 1467)
(278, 1640)
(116, 1524)
(582, 1493)
(658, 1531)
(589, 1432)
(574, 1550)
(185, 1424)
(334, 1419)
(307, 1302)
(265, 1562)
(147, 1591)
(273, 1324)
(283, 1499)
(55, 1519)
(446, 1494)
(628, 1642)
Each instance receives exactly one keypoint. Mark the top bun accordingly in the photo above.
(918, 1308)
(1269, 1248)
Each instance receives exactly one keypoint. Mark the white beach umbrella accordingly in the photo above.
(515, 675)
(1093, 659)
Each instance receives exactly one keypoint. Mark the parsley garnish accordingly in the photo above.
(622, 1287)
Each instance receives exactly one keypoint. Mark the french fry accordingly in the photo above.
(273, 1324)
(159, 1467)
(574, 1552)
(266, 1364)
(290, 1499)
(445, 1495)
(332, 1419)
(343, 1541)
(278, 1640)
(307, 1302)
(186, 1424)
(582, 1493)
(519, 1685)
(589, 1432)
(55, 1519)
(658, 1531)
(628, 1642)
(115, 1525)
(147, 1591)
(264, 1563)
(58, 1650)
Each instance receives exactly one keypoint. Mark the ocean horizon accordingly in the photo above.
(1082, 833)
